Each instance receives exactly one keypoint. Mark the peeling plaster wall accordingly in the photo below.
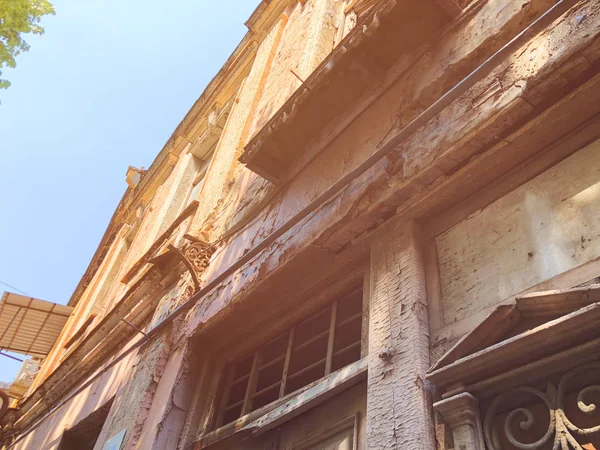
(132, 407)
(163, 209)
(168, 411)
(134, 381)
(218, 181)
(145, 401)
(299, 41)
(241, 199)
(47, 435)
(174, 297)
(232, 193)
(146, 405)
(471, 45)
(444, 64)
(307, 39)
(398, 397)
(544, 228)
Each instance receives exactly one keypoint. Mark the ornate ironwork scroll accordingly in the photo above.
(561, 431)
(196, 257)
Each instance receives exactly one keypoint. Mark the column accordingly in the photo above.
(398, 400)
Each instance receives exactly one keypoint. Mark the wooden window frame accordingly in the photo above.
(198, 179)
(349, 423)
(227, 376)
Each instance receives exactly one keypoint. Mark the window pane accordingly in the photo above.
(307, 354)
(195, 191)
(346, 346)
(340, 441)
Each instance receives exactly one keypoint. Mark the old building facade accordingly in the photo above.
(376, 228)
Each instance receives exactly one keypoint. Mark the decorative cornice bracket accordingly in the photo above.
(196, 257)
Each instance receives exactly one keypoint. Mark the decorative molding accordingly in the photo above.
(196, 257)
(461, 414)
(198, 254)
(462, 409)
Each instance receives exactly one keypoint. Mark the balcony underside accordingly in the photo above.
(358, 64)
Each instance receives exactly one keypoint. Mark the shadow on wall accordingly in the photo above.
(84, 435)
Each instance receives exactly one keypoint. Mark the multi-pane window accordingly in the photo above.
(312, 349)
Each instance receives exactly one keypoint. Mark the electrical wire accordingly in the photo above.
(16, 289)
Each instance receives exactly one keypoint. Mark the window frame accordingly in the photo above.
(199, 177)
(226, 377)
(350, 423)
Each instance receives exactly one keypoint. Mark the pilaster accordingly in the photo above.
(398, 401)
(461, 414)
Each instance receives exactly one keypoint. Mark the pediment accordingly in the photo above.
(536, 326)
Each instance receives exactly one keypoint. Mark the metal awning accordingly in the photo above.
(30, 326)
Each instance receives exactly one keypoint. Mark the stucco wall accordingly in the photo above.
(465, 47)
(47, 435)
(307, 38)
(231, 192)
(544, 228)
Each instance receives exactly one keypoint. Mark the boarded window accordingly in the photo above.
(322, 343)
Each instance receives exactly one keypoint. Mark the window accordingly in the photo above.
(195, 188)
(312, 349)
(342, 436)
(200, 166)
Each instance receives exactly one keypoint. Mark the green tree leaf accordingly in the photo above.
(19, 17)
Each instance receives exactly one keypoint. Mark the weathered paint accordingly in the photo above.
(152, 401)
(47, 435)
(544, 228)
(398, 411)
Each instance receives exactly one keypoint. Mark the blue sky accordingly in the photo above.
(103, 89)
